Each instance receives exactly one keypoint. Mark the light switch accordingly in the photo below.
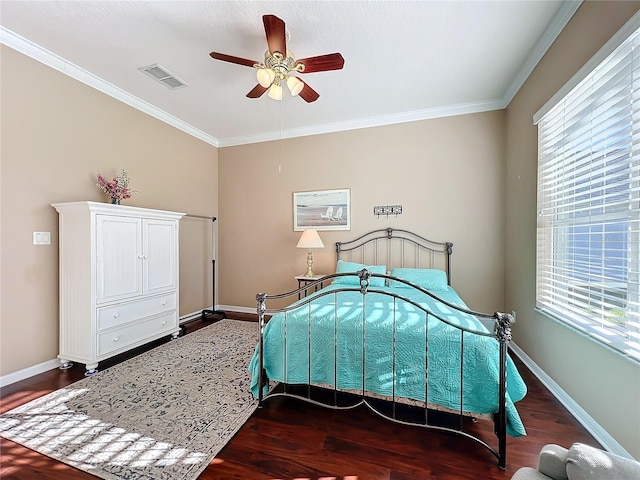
(42, 238)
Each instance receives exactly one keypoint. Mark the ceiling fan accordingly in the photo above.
(280, 63)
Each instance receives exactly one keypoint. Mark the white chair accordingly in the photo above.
(338, 215)
(329, 214)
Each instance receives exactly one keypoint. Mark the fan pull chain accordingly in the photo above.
(279, 137)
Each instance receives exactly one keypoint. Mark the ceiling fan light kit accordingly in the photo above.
(279, 63)
(275, 92)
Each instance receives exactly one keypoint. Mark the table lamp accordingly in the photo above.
(310, 239)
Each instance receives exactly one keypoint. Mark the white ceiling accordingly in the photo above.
(404, 60)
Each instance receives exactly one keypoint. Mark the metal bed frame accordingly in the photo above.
(399, 248)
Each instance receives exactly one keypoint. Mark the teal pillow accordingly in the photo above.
(431, 279)
(348, 267)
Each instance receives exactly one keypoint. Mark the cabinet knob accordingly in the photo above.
(145, 257)
(116, 315)
(140, 257)
(164, 323)
(164, 302)
(116, 339)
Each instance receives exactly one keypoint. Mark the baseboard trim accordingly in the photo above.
(600, 434)
(55, 363)
(233, 308)
(192, 316)
(29, 372)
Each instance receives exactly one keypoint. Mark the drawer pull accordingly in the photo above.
(116, 339)
(116, 315)
(164, 323)
(164, 302)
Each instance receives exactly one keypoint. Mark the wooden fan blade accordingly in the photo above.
(257, 91)
(232, 59)
(308, 94)
(321, 63)
(274, 28)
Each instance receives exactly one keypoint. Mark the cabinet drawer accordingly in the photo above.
(120, 314)
(136, 333)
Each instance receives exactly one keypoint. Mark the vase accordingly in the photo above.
(115, 201)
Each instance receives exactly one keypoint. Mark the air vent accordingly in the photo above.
(162, 75)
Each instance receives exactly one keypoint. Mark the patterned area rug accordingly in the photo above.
(161, 415)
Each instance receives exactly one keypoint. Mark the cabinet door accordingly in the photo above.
(160, 249)
(119, 257)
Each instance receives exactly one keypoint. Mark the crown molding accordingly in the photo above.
(562, 17)
(26, 47)
(379, 121)
(560, 20)
(607, 49)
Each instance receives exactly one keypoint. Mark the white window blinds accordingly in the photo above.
(588, 234)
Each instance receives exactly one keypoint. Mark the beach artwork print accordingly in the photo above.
(322, 210)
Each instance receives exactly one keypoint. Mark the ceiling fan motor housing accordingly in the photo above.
(282, 65)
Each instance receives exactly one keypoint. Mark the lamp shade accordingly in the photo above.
(295, 85)
(310, 239)
(265, 76)
(275, 92)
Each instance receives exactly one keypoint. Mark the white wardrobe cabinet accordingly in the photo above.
(118, 279)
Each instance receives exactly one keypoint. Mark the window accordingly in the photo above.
(588, 232)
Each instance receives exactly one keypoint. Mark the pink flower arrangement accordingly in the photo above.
(117, 189)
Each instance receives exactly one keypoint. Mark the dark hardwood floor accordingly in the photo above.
(291, 440)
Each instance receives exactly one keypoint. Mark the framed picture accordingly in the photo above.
(322, 210)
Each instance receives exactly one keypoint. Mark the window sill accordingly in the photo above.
(635, 359)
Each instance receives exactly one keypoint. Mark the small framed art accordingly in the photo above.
(322, 210)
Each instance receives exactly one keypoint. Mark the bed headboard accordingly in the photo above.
(397, 248)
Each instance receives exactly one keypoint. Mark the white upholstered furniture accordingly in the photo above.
(118, 279)
(580, 462)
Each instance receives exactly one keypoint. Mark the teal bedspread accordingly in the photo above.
(339, 344)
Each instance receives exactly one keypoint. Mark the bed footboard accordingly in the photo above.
(390, 350)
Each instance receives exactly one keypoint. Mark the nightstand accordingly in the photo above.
(303, 280)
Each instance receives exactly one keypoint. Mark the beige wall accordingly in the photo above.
(448, 174)
(603, 383)
(57, 134)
